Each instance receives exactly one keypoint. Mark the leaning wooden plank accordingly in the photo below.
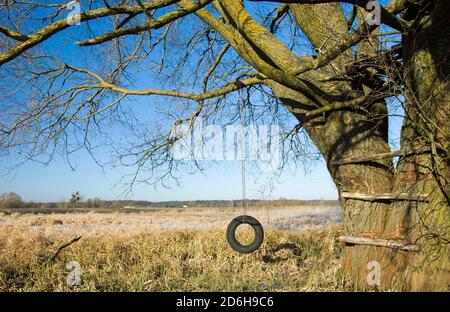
(385, 196)
(378, 242)
(401, 153)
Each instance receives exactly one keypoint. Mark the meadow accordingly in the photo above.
(171, 250)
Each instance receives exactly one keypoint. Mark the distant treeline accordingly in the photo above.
(238, 203)
(12, 200)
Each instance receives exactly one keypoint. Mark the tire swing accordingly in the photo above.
(244, 219)
(231, 234)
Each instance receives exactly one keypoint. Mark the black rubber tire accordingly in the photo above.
(231, 234)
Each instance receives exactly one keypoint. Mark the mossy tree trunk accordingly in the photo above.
(357, 133)
(344, 134)
(426, 50)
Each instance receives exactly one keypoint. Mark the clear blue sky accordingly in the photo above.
(57, 181)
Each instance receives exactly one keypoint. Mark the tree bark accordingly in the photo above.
(354, 133)
(347, 134)
(426, 50)
(351, 133)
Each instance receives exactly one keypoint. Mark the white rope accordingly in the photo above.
(242, 149)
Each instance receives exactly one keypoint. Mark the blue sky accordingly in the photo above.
(56, 181)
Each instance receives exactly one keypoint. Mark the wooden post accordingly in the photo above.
(378, 242)
(385, 196)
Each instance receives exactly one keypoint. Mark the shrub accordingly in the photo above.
(10, 200)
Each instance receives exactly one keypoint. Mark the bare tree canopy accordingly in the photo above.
(329, 72)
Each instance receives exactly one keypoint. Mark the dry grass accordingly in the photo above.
(151, 259)
(95, 223)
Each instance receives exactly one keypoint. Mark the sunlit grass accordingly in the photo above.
(148, 259)
(168, 250)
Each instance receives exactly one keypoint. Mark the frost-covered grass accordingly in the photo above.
(147, 258)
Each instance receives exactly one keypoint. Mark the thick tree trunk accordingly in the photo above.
(349, 134)
(427, 73)
(355, 133)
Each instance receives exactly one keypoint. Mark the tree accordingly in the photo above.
(76, 198)
(11, 200)
(201, 52)
(97, 202)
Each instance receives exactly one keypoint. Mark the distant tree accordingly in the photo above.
(116, 204)
(75, 199)
(97, 202)
(265, 192)
(52, 205)
(10, 200)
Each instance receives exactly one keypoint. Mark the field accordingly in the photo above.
(170, 250)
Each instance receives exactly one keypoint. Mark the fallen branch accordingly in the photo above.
(76, 239)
